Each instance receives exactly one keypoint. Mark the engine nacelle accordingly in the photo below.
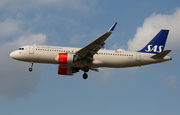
(65, 70)
(65, 58)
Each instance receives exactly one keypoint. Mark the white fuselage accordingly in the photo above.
(103, 58)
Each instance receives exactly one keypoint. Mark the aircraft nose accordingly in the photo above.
(12, 54)
(15, 55)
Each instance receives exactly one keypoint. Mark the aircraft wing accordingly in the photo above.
(92, 48)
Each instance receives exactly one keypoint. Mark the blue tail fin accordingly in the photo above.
(157, 44)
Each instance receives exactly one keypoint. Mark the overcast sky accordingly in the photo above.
(146, 90)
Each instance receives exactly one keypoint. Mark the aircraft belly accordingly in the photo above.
(30, 57)
(115, 61)
(50, 58)
(40, 58)
(120, 62)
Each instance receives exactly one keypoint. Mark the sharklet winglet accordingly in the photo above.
(112, 28)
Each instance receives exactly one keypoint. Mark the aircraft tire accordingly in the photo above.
(86, 69)
(30, 69)
(85, 76)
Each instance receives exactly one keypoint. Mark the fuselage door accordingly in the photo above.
(138, 56)
(31, 49)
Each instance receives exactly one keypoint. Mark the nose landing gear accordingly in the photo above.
(30, 69)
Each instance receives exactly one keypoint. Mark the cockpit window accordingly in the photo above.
(21, 48)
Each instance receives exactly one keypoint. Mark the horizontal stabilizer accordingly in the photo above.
(161, 55)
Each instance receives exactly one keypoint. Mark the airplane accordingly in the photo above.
(93, 56)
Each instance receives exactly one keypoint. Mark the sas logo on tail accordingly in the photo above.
(154, 49)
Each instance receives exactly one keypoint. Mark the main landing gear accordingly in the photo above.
(30, 69)
(86, 69)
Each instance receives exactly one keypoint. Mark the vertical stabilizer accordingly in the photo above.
(157, 44)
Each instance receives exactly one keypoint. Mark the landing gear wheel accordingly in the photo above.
(30, 69)
(85, 76)
(86, 69)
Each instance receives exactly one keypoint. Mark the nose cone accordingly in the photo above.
(12, 54)
(15, 55)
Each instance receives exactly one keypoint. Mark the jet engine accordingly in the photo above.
(65, 70)
(65, 58)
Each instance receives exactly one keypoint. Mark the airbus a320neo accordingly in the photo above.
(92, 56)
